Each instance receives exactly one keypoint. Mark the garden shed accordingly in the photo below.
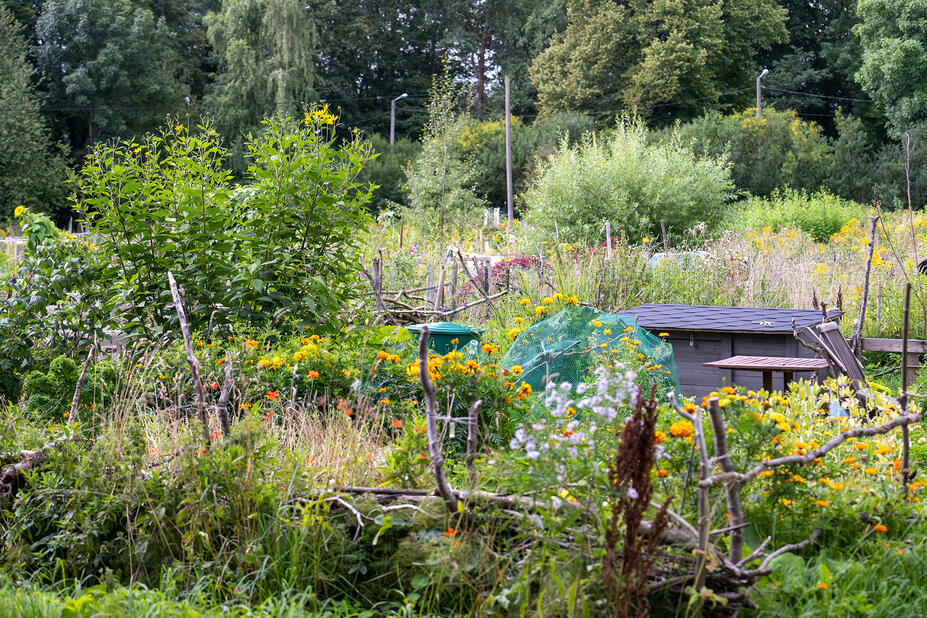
(704, 333)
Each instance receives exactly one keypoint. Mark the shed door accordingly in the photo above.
(693, 349)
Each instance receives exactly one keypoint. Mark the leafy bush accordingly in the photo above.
(820, 215)
(54, 303)
(634, 185)
(282, 244)
(777, 150)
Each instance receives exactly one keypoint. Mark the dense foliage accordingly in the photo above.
(281, 245)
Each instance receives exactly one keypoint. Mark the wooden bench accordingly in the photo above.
(768, 364)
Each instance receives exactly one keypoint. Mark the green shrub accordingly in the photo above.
(777, 150)
(634, 185)
(440, 185)
(820, 215)
(284, 243)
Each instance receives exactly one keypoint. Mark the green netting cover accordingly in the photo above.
(565, 347)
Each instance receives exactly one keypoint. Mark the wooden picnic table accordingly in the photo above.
(768, 364)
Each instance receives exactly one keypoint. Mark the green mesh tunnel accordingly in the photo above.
(567, 346)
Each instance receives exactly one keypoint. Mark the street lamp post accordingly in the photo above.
(392, 120)
(759, 93)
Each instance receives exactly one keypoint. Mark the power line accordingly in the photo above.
(819, 96)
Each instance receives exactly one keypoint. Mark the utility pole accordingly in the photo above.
(392, 120)
(508, 153)
(759, 93)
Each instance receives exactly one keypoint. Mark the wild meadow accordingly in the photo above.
(211, 404)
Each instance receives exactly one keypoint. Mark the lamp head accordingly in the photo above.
(764, 73)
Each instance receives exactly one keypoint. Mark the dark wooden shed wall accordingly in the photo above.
(692, 348)
(701, 334)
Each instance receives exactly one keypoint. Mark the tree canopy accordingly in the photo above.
(894, 60)
(648, 55)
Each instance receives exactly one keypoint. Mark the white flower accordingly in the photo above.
(632, 493)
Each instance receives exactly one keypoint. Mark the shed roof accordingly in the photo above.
(725, 319)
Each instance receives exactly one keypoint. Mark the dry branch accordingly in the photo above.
(898, 421)
(434, 440)
(75, 401)
(191, 358)
(223, 407)
(732, 489)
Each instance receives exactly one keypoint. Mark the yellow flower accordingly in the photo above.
(513, 333)
(871, 470)
(19, 211)
(659, 436)
(179, 128)
(607, 331)
(596, 323)
(489, 348)
(519, 320)
(548, 300)
(516, 370)
(540, 310)
(787, 502)
(524, 302)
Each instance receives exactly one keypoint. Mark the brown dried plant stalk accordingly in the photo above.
(629, 554)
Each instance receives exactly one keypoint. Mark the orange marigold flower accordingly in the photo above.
(450, 532)
(822, 503)
(396, 423)
(661, 473)
(896, 464)
(659, 436)
(880, 528)
(272, 395)
(681, 429)
(822, 586)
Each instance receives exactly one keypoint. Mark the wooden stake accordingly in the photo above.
(905, 437)
(473, 428)
(608, 239)
(856, 341)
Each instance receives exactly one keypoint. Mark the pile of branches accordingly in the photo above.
(404, 307)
